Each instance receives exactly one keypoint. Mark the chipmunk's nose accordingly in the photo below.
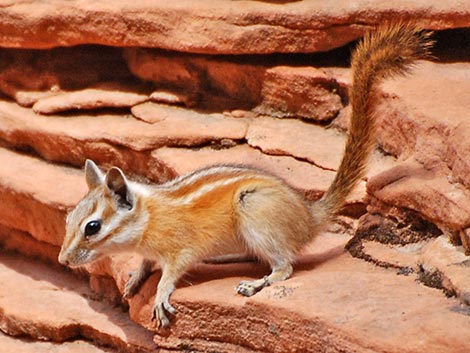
(63, 258)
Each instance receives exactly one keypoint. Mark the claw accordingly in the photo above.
(159, 315)
(130, 289)
(168, 307)
(164, 322)
(154, 315)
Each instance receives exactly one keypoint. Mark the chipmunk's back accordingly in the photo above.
(211, 207)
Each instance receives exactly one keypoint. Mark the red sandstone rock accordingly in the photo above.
(437, 263)
(211, 82)
(171, 119)
(28, 98)
(307, 178)
(25, 345)
(49, 304)
(430, 126)
(452, 265)
(333, 286)
(282, 91)
(321, 147)
(400, 256)
(352, 305)
(167, 97)
(458, 152)
(35, 196)
(212, 26)
(13, 239)
(104, 95)
(428, 192)
(29, 75)
(423, 112)
(303, 92)
(71, 139)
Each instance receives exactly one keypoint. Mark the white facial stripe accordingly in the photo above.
(107, 225)
(74, 244)
(115, 221)
(132, 231)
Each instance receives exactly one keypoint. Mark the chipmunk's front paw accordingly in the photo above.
(159, 314)
(132, 286)
(137, 278)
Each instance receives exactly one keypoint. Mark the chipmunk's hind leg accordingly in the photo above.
(269, 219)
(280, 272)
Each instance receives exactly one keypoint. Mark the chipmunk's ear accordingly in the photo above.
(93, 175)
(118, 187)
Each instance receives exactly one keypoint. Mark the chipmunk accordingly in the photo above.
(231, 209)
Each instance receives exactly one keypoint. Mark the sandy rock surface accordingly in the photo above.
(303, 92)
(145, 92)
(326, 277)
(48, 304)
(275, 320)
(102, 96)
(25, 345)
(33, 223)
(29, 75)
(214, 27)
(282, 137)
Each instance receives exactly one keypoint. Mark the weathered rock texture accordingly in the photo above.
(165, 105)
(214, 27)
(301, 92)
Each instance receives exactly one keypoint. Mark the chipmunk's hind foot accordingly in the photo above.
(279, 273)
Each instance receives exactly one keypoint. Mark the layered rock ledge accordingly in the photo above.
(213, 27)
(137, 85)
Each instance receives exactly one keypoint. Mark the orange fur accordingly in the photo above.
(228, 209)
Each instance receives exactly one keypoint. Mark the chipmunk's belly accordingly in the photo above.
(226, 245)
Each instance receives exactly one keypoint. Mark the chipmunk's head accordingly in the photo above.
(108, 219)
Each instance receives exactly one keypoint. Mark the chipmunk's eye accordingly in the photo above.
(92, 228)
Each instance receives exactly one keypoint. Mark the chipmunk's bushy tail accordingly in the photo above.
(389, 51)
